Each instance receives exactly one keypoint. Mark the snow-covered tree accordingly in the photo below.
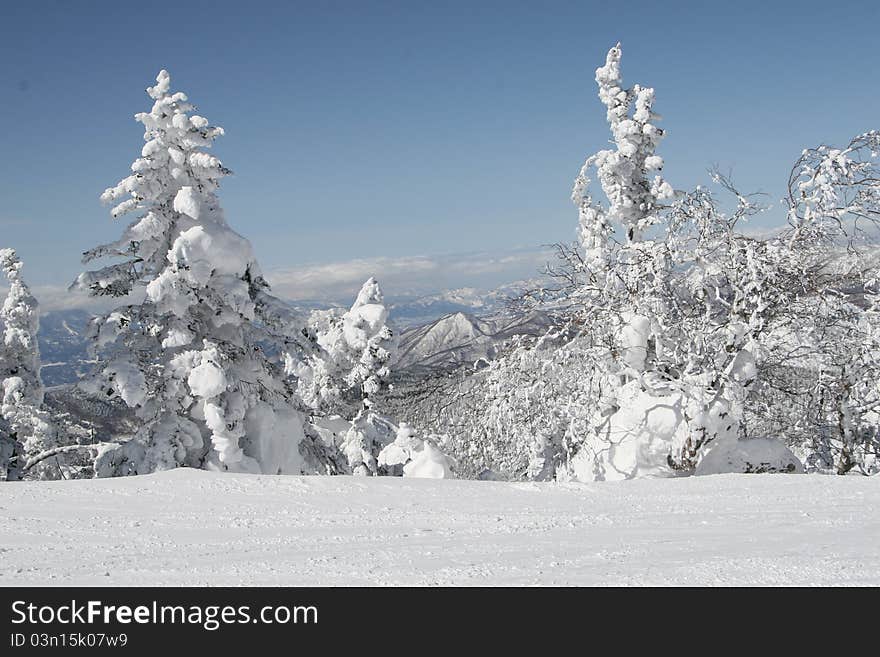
(686, 312)
(196, 358)
(834, 193)
(622, 266)
(820, 390)
(679, 310)
(670, 303)
(350, 367)
(635, 197)
(26, 430)
(363, 342)
(357, 349)
(625, 269)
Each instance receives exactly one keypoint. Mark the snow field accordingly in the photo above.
(190, 527)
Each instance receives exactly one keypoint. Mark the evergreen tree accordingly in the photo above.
(353, 365)
(356, 353)
(196, 358)
(25, 428)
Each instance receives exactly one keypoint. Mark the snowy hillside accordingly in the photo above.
(461, 338)
(189, 527)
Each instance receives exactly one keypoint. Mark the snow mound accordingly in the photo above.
(756, 455)
(638, 439)
(429, 463)
(274, 436)
(399, 452)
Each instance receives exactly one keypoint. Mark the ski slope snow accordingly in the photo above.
(189, 527)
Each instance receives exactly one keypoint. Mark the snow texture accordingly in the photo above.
(190, 527)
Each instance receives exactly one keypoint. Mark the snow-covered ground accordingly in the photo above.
(189, 527)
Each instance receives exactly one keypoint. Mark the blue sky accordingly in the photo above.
(361, 130)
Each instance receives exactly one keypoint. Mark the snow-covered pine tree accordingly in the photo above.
(361, 345)
(192, 357)
(353, 365)
(355, 353)
(25, 428)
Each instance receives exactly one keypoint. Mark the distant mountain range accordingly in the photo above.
(462, 339)
(64, 346)
(419, 310)
(437, 331)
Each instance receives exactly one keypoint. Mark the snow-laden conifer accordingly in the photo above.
(193, 356)
(355, 356)
(25, 428)
(351, 365)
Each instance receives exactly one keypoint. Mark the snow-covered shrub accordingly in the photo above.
(756, 455)
(676, 329)
(428, 463)
(361, 444)
(818, 388)
(412, 456)
(833, 339)
(197, 357)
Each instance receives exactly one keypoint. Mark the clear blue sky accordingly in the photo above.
(361, 129)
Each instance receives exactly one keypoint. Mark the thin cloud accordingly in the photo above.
(59, 297)
(405, 275)
(339, 282)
